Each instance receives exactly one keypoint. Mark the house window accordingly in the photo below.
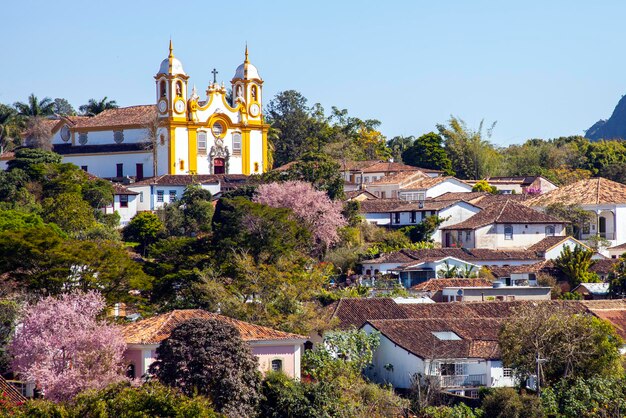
(236, 143)
(139, 171)
(130, 371)
(507, 372)
(550, 231)
(277, 365)
(141, 197)
(383, 195)
(202, 142)
(124, 201)
(508, 231)
(160, 194)
(119, 170)
(172, 195)
(468, 235)
(367, 179)
(397, 217)
(459, 236)
(413, 217)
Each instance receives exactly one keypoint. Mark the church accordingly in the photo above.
(179, 134)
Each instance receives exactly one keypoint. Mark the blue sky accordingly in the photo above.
(540, 69)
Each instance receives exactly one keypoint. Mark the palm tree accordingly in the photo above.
(35, 107)
(9, 127)
(93, 107)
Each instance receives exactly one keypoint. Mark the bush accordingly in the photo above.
(507, 403)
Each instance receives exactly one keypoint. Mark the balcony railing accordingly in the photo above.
(471, 380)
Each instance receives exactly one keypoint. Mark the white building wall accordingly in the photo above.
(127, 213)
(163, 152)
(405, 365)
(448, 186)
(182, 151)
(381, 219)
(524, 236)
(105, 165)
(256, 152)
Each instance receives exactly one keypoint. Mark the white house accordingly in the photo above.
(519, 184)
(275, 350)
(462, 355)
(359, 174)
(125, 203)
(157, 191)
(508, 225)
(604, 199)
(415, 186)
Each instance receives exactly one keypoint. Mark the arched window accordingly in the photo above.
(182, 164)
(508, 231)
(202, 141)
(277, 365)
(163, 89)
(237, 143)
(179, 89)
(550, 231)
(254, 93)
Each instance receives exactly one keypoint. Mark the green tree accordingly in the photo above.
(570, 345)
(208, 357)
(145, 228)
(70, 212)
(398, 145)
(576, 264)
(191, 214)
(93, 106)
(617, 278)
(28, 159)
(575, 215)
(264, 232)
(13, 219)
(507, 403)
(62, 107)
(10, 128)
(35, 107)
(297, 127)
(587, 398)
(428, 152)
(9, 313)
(484, 186)
(471, 153)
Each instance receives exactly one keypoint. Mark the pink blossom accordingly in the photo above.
(62, 347)
(313, 207)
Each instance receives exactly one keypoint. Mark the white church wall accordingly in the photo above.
(256, 151)
(105, 165)
(182, 151)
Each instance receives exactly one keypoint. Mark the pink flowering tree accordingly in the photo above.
(313, 207)
(62, 346)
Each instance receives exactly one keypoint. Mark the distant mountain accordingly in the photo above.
(612, 128)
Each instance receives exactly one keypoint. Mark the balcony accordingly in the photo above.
(468, 380)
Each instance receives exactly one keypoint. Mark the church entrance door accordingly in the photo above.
(218, 166)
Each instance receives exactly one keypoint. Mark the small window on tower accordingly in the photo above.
(182, 164)
(163, 89)
(236, 143)
(162, 139)
(256, 167)
(253, 93)
(179, 89)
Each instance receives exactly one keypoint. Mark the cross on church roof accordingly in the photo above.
(214, 72)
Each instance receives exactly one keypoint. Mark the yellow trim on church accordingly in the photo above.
(245, 152)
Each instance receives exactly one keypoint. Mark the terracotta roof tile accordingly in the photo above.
(435, 285)
(354, 312)
(133, 115)
(401, 178)
(157, 328)
(551, 242)
(472, 254)
(478, 337)
(397, 205)
(593, 191)
(508, 212)
(387, 167)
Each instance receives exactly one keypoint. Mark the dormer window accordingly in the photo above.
(446, 335)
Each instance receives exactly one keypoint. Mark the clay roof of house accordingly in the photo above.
(178, 180)
(393, 257)
(613, 311)
(354, 312)
(120, 189)
(400, 178)
(550, 242)
(123, 116)
(157, 328)
(472, 254)
(465, 196)
(603, 266)
(618, 247)
(509, 212)
(478, 337)
(356, 193)
(491, 199)
(521, 180)
(386, 167)
(593, 191)
(426, 183)
(436, 285)
(10, 392)
(8, 155)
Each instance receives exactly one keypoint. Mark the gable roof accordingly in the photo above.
(123, 116)
(354, 312)
(157, 328)
(376, 166)
(593, 191)
(353, 194)
(549, 243)
(472, 254)
(509, 212)
(437, 285)
(478, 337)
(397, 205)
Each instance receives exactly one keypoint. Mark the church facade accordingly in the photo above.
(179, 134)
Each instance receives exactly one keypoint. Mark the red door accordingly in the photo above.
(218, 166)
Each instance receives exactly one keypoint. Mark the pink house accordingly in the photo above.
(275, 350)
